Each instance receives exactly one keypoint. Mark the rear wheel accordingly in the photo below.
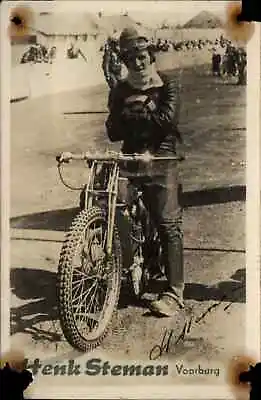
(88, 280)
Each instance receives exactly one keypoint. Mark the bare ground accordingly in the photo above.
(213, 122)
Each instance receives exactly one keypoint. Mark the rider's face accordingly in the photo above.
(138, 61)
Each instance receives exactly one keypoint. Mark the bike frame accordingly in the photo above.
(110, 193)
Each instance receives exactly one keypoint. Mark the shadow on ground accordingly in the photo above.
(60, 220)
(218, 195)
(55, 220)
(37, 287)
(231, 291)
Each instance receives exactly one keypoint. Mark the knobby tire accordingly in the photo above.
(80, 225)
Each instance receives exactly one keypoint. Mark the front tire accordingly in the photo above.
(94, 279)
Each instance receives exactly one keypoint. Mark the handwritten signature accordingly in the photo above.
(168, 337)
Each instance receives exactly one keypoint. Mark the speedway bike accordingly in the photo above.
(93, 262)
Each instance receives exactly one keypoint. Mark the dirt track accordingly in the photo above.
(213, 122)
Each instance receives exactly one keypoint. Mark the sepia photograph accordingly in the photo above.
(127, 198)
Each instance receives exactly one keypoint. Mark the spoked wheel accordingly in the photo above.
(88, 280)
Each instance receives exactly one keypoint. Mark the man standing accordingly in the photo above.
(216, 61)
(242, 65)
(144, 113)
(111, 63)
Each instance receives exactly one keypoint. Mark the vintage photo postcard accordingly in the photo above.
(129, 197)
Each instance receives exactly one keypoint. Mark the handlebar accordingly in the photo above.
(66, 157)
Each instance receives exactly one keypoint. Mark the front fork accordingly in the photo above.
(109, 193)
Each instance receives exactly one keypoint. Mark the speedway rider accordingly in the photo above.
(144, 113)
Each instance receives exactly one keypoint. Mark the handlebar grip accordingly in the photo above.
(64, 158)
(58, 159)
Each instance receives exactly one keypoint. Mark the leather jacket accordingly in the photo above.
(157, 130)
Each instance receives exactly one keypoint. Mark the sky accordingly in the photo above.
(177, 11)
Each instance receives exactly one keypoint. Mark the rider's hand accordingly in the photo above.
(147, 156)
(135, 113)
(151, 106)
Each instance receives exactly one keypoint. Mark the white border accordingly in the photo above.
(171, 392)
(5, 55)
(253, 243)
(252, 231)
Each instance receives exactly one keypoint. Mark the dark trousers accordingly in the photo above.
(161, 198)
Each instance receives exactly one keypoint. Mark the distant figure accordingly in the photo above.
(253, 376)
(231, 61)
(242, 64)
(74, 52)
(14, 382)
(52, 54)
(29, 55)
(111, 64)
(216, 63)
(41, 52)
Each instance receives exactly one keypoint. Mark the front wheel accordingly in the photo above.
(89, 280)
